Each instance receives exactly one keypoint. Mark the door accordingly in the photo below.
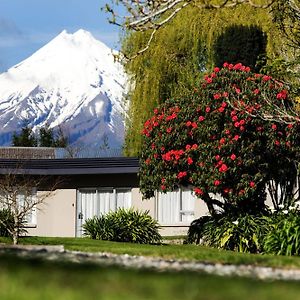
(94, 202)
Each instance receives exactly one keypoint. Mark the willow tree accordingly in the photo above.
(180, 51)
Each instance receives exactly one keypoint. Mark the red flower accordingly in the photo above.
(194, 125)
(266, 78)
(163, 187)
(237, 124)
(201, 118)
(247, 69)
(236, 137)
(198, 191)
(190, 161)
(207, 109)
(234, 118)
(225, 65)
(217, 157)
(274, 126)
(222, 141)
(227, 131)
(194, 147)
(252, 184)
(147, 161)
(242, 128)
(225, 94)
(232, 156)
(223, 168)
(256, 91)
(217, 96)
(216, 69)
(208, 80)
(155, 111)
(237, 90)
(188, 123)
(221, 109)
(277, 143)
(181, 174)
(217, 182)
(188, 147)
(169, 130)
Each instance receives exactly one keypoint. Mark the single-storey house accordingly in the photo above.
(92, 186)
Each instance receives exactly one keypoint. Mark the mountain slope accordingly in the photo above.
(72, 82)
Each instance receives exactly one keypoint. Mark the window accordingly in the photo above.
(25, 201)
(175, 207)
(93, 202)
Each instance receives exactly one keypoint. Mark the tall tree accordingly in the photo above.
(181, 50)
(25, 138)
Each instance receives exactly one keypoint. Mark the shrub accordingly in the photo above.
(217, 140)
(124, 226)
(243, 233)
(7, 222)
(283, 237)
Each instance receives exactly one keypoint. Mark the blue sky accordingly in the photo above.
(26, 25)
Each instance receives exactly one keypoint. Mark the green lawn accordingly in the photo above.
(22, 279)
(189, 252)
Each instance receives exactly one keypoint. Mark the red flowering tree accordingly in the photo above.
(212, 140)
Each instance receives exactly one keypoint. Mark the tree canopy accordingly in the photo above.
(205, 140)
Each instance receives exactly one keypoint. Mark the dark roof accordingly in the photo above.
(70, 166)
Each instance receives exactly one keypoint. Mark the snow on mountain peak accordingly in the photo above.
(72, 81)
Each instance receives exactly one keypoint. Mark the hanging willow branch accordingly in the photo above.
(144, 15)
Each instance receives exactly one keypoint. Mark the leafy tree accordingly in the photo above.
(238, 43)
(156, 14)
(26, 138)
(178, 55)
(211, 139)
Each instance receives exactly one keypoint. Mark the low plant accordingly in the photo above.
(6, 222)
(124, 225)
(283, 237)
(242, 233)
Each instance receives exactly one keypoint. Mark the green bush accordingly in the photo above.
(123, 226)
(243, 233)
(6, 222)
(283, 237)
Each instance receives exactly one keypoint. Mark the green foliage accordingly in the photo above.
(210, 140)
(25, 138)
(6, 222)
(241, 233)
(46, 138)
(238, 43)
(178, 54)
(283, 237)
(123, 226)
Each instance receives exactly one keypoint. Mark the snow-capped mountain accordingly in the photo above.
(74, 82)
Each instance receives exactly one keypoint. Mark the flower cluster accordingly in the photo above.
(212, 140)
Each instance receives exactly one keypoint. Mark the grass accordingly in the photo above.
(187, 252)
(32, 279)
